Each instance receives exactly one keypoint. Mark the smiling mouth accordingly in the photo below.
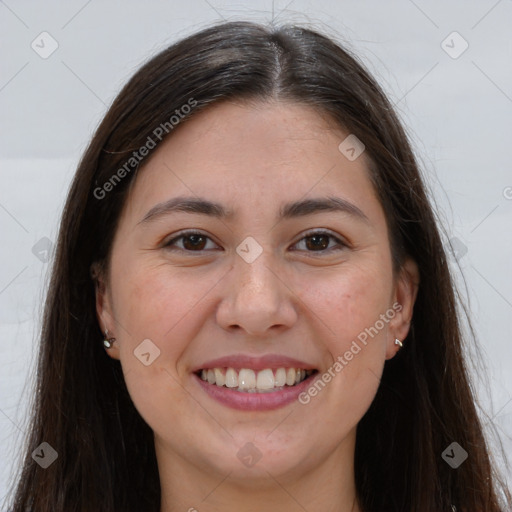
(247, 380)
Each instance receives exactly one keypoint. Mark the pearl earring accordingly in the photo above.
(108, 342)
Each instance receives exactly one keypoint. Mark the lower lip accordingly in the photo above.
(255, 401)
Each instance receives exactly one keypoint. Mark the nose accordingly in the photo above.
(256, 298)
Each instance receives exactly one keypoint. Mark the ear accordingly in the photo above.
(104, 311)
(404, 297)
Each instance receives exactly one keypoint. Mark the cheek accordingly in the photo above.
(348, 301)
(163, 305)
(160, 302)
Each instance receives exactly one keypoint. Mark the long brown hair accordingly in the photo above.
(106, 457)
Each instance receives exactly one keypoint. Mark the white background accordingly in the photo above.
(457, 111)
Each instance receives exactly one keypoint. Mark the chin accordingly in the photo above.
(258, 462)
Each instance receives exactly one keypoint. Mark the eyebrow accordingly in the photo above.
(288, 211)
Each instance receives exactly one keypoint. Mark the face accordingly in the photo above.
(289, 267)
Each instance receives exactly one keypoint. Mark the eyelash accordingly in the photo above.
(185, 234)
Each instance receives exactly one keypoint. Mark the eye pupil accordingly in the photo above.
(319, 242)
(196, 241)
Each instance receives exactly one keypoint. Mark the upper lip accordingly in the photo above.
(272, 361)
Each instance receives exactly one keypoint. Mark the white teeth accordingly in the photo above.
(280, 378)
(219, 377)
(250, 380)
(246, 379)
(231, 378)
(265, 379)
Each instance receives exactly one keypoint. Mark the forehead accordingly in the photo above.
(269, 152)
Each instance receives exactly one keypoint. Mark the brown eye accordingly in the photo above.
(193, 242)
(189, 242)
(315, 242)
(321, 241)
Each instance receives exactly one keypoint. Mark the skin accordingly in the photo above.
(292, 300)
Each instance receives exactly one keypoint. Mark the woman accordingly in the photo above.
(251, 307)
